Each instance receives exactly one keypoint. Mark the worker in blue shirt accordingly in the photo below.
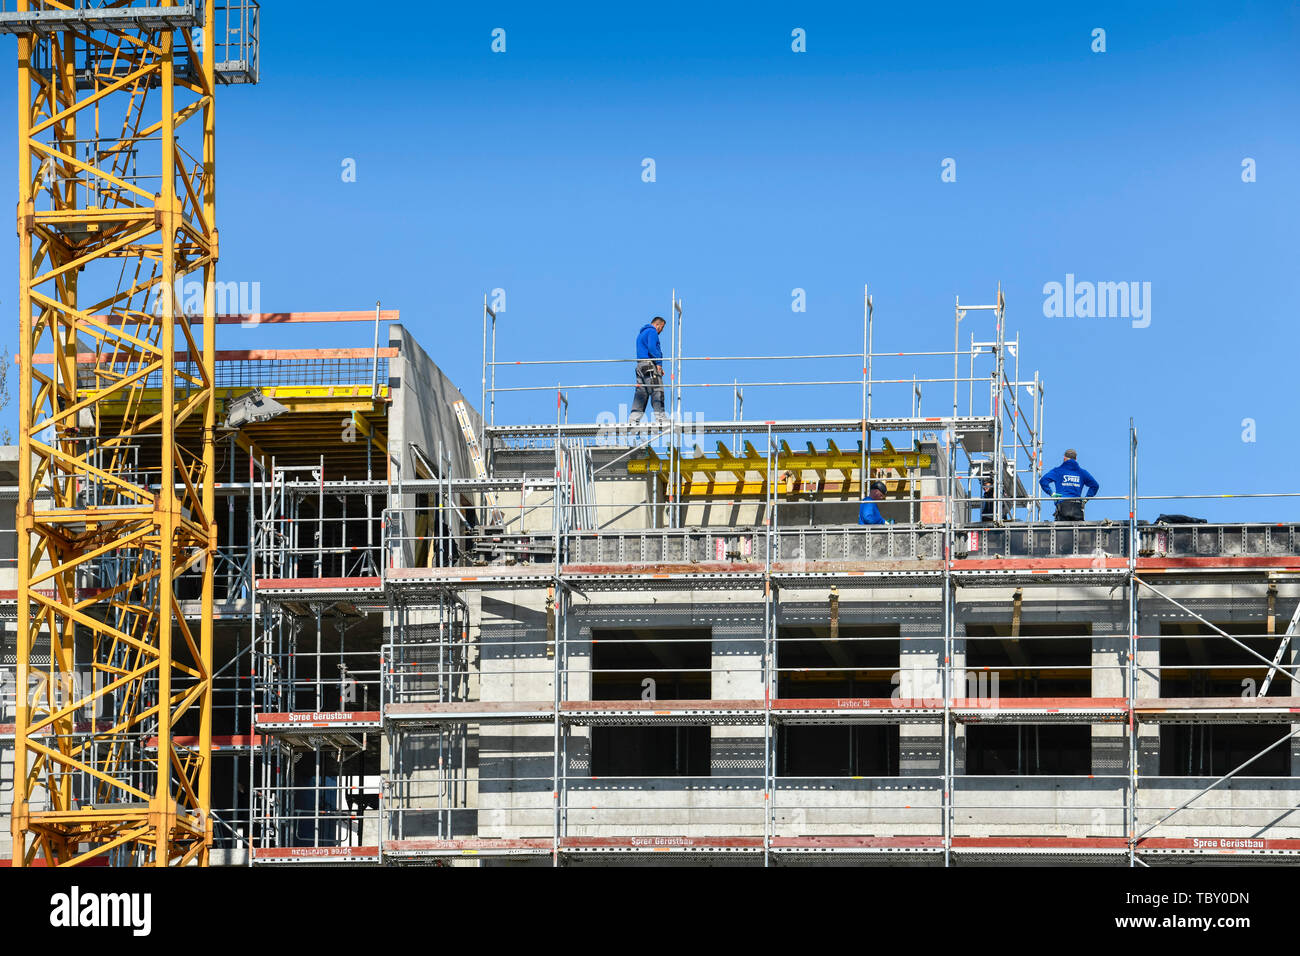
(869, 511)
(649, 371)
(1071, 482)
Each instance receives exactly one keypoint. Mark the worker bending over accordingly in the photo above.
(649, 371)
(1071, 482)
(869, 511)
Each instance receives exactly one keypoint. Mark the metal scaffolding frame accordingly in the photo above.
(558, 552)
(412, 745)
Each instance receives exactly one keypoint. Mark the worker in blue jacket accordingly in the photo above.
(869, 511)
(1071, 482)
(649, 371)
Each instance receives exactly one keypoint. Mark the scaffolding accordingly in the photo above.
(770, 635)
(611, 645)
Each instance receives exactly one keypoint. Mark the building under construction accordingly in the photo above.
(439, 639)
(318, 606)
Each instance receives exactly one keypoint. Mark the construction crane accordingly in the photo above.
(116, 206)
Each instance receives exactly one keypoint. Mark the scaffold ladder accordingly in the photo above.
(476, 461)
(1281, 651)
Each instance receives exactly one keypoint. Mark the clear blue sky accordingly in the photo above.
(778, 170)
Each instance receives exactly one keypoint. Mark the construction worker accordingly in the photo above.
(869, 511)
(1071, 482)
(986, 508)
(989, 499)
(649, 371)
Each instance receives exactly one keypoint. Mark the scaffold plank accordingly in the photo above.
(505, 577)
(1283, 563)
(1040, 710)
(849, 710)
(1248, 846)
(661, 844)
(857, 844)
(473, 711)
(316, 587)
(482, 846)
(1229, 710)
(1040, 844)
(315, 855)
(626, 712)
(271, 723)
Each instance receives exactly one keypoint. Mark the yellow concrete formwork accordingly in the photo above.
(827, 472)
(114, 207)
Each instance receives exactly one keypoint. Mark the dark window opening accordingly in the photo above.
(650, 751)
(676, 660)
(857, 751)
(863, 661)
(1197, 661)
(1046, 660)
(1210, 750)
(651, 664)
(1032, 749)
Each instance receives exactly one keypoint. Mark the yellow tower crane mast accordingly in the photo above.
(116, 208)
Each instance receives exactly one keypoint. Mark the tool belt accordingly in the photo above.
(1069, 509)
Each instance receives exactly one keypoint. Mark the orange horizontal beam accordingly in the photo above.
(278, 318)
(244, 355)
(327, 584)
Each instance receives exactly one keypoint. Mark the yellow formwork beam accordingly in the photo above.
(786, 485)
(302, 399)
(812, 460)
(699, 473)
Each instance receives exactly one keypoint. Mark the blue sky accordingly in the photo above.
(778, 170)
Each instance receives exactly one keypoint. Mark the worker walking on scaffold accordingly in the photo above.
(1071, 482)
(649, 372)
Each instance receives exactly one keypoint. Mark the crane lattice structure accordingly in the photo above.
(116, 205)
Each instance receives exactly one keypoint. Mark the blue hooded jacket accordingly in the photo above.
(869, 513)
(647, 343)
(1070, 480)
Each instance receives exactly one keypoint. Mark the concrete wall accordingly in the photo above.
(422, 413)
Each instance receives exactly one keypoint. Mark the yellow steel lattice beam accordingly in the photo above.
(112, 210)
